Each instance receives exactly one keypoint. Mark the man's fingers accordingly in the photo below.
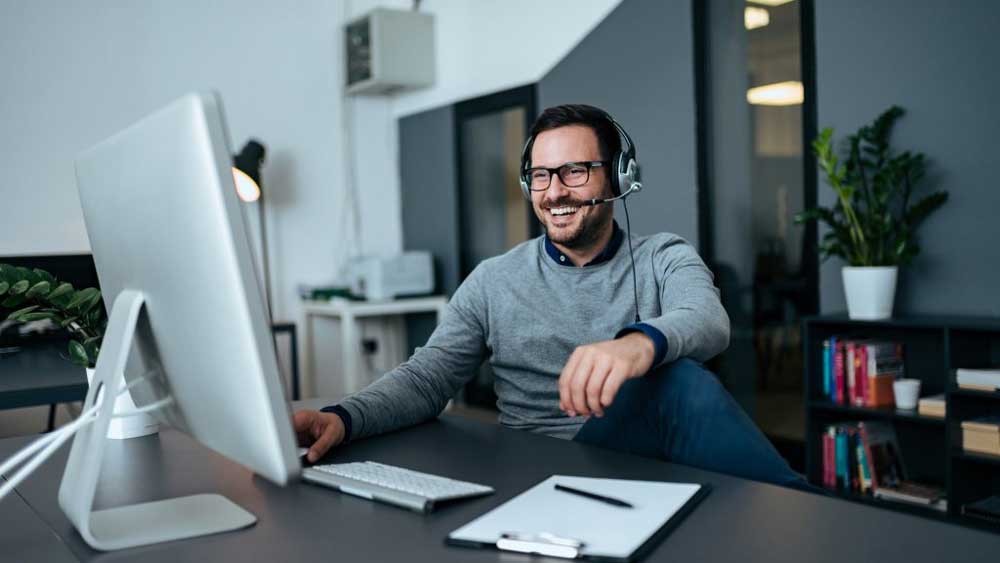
(302, 423)
(323, 443)
(594, 385)
(577, 387)
(565, 403)
(611, 386)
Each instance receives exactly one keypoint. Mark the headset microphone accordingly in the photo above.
(636, 186)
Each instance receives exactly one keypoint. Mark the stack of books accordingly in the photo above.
(982, 435)
(987, 509)
(913, 493)
(932, 406)
(980, 379)
(864, 458)
(861, 372)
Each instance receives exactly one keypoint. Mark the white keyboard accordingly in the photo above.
(395, 485)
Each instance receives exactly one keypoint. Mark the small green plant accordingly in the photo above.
(36, 295)
(875, 219)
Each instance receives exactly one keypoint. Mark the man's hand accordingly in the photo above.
(589, 382)
(318, 430)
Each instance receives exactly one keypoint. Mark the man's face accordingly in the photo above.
(558, 207)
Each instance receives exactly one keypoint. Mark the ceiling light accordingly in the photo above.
(777, 94)
(755, 17)
(770, 2)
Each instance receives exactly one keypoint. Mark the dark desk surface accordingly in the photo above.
(39, 375)
(739, 521)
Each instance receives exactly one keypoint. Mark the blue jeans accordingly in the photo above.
(681, 413)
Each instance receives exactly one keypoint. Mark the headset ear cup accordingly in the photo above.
(623, 181)
(524, 188)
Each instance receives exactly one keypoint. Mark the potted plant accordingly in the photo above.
(36, 295)
(873, 224)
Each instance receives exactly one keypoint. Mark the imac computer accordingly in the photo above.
(187, 322)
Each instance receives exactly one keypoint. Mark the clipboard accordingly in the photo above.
(549, 522)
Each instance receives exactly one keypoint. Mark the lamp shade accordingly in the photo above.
(246, 170)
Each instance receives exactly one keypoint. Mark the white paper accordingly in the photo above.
(605, 529)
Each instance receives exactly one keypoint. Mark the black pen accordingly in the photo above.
(602, 498)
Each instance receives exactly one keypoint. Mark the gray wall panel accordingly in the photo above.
(937, 60)
(429, 196)
(429, 202)
(637, 65)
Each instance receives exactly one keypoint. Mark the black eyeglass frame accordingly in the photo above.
(588, 164)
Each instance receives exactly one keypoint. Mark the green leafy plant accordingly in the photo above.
(875, 219)
(36, 295)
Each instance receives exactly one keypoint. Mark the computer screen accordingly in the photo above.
(170, 245)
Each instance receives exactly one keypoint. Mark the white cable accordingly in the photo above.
(148, 408)
(52, 441)
(38, 444)
(64, 434)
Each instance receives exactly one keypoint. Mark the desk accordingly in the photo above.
(348, 312)
(739, 521)
(39, 375)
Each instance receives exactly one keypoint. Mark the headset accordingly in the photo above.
(624, 168)
(624, 181)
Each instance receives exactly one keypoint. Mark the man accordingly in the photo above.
(555, 317)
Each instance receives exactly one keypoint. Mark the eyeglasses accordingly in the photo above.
(571, 174)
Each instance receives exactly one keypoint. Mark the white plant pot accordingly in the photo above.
(870, 291)
(142, 424)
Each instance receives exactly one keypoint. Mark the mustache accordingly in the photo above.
(564, 202)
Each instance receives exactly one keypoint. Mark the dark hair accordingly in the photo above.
(597, 119)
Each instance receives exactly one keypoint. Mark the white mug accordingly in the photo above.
(907, 392)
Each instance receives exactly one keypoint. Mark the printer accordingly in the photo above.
(380, 279)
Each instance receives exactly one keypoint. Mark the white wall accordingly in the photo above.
(73, 73)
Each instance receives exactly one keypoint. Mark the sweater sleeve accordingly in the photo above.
(420, 388)
(692, 318)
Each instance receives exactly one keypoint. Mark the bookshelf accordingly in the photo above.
(934, 347)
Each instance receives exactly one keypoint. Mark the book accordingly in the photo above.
(982, 435)
(838, 372)
(827, 367)
(850, 366)
(979, 377)
(885, 463)
(932, 406)
(914, 493)
(987, 509)
(882, 364)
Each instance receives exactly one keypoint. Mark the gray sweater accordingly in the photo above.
(525, 313)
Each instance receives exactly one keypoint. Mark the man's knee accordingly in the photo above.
(687, 386)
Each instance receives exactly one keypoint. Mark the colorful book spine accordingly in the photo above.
(829, 480)
(852, 393)
(843, 479)
(827, 368)
(838, 372)
(862, 373)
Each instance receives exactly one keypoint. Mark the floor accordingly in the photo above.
(31, 420)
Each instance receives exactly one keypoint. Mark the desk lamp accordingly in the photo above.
(246, 173)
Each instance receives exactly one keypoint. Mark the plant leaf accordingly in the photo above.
(40, 289)
(89, 305)
(35, 316)
(14, 316)
(26, 274)
(19, 287)
(13, 301)
(81, 297)
(4, 286)
(63, 289)
(78, 354)
(45, 276)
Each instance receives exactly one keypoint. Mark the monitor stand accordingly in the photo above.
(137, 524)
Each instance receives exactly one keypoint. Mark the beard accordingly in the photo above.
(585, 232)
